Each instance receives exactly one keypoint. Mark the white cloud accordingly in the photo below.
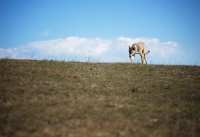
(9, 53)
(160, 52)
(157, 48)
(102, 49)
(71, 46)
(45, 33)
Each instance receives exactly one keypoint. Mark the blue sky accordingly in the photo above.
(101, 30)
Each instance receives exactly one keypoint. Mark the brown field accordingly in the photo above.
(76, 99)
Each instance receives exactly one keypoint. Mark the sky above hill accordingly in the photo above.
(100, 30)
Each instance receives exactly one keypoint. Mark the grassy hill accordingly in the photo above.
(51, 98)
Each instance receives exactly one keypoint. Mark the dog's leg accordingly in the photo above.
(145, 58)
(142, 58)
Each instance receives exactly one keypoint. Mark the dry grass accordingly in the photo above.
(50, 98)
